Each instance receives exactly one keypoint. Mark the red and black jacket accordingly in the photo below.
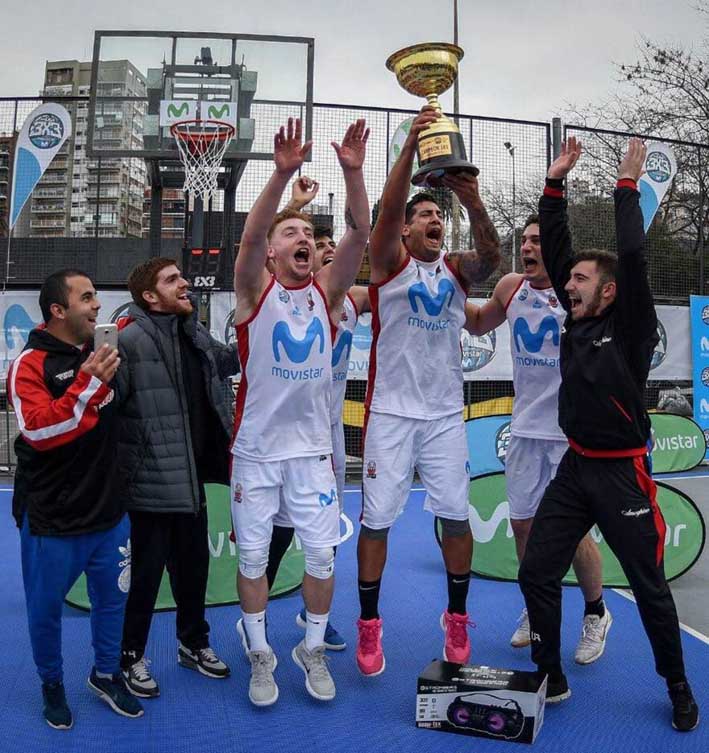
(605, 359)
(67, 480)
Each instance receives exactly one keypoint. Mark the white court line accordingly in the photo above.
(694, 633)
(359, 491)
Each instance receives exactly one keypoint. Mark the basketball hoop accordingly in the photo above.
(202, 144)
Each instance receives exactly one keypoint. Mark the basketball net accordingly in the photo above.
(201, 145)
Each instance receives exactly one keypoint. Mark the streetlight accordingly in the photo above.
(511, 152)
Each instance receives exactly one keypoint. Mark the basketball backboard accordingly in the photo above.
(143, 81)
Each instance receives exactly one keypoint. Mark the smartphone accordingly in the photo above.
(105, 333)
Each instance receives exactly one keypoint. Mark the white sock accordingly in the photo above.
(103, 675)
(315, 625)
(255, 626)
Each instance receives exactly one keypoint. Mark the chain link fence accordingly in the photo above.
(95, 214)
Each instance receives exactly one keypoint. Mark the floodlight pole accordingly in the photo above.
(455, 202)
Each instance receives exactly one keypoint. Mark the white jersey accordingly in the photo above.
(285, 350)
(341, 357)
(535, 318)
(415, 366)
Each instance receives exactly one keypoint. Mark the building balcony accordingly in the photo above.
(42, 224)
(49, 178)
(48, 208)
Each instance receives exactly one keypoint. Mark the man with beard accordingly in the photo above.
(606, 348)
(528, 302)
(68, 501)
(285, 324)
(414, 403)
(176, 420)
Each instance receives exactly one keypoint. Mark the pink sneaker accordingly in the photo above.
(456, 648)
(370, 657)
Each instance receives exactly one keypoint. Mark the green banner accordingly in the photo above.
(221, 585)
(494, 553)
(678, 443)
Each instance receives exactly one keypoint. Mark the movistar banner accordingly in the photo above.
(488, 438)
(495, 555)
(678, 443)
(699, 316)
(221, 585)
(44, 132)
(177, 110)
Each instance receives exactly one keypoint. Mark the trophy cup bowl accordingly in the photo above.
(427, 70)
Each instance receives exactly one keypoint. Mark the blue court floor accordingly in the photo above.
(618, 704)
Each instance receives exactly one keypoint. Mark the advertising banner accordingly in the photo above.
(660, 169)
(495, 555)
(678, 443)
(699, 316)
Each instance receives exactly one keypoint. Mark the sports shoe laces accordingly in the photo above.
(317, 664)
(208, 655)
(457, 625)
(369, 637)
(592, 630)
(140, 670)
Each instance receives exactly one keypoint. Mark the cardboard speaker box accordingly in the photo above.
(502, 704)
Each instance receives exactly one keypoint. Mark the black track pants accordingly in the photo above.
(619, 496)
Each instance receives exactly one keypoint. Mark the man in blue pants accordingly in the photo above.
(67, 500)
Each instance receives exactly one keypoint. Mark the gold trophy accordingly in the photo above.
(427, 70)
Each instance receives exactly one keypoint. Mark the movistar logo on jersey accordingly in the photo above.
(297, 351)
(328, 499)
(342, 347)
(433, 306)
(534, 341)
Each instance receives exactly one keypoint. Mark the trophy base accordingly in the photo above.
(432, 174)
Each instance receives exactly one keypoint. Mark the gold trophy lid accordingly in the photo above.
(424, 69)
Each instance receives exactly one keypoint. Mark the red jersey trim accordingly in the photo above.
(333, 327)
(391, 276)
(631, 453)
(298, 287)
(456, 276)
(627, 183)
(261, 300)
(556, 193)
(354, 305)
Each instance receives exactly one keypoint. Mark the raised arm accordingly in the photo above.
(554, 233)
(303, 191)
(338, 277)
(489, 316)
(474, 266)
(250, 275)
(385, 249)
(634, 301)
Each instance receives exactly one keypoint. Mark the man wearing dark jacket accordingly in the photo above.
(67, 501)
(606, 347)
(176, 420)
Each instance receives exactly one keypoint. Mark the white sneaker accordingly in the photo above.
(318, 680)
(263, 690)
(592, 643)
(520, 637)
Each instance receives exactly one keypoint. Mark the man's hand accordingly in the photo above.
(427, 117)
(102, 364)
(303, 191)
(353, 149)
(632, 166)
(564, 163)
(288, 151)
(465, 187)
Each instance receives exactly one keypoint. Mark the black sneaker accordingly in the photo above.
(685, 712)
(139, 680)
(557, 688)
(114, 692)
(56, 710)
(202, 660)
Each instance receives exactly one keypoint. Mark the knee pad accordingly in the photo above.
(253, 562)
(376, 534)
(319, 563)
(450, 528)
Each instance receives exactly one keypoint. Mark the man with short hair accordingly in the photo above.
(68, 501)
(285, 324)
(414, 404)
(607, 343)
(537, 444)
(356, 303)
(176, 419)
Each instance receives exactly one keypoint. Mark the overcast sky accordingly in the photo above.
(522, 59)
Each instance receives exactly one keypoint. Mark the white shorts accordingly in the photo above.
(309, 496)
(339, 459)
(530, 465)
(394, 446)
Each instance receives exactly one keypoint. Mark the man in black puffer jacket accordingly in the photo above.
(604, 478)
(176, 422)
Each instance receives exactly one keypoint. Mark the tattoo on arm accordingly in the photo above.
(479, 266)
(349, 219)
